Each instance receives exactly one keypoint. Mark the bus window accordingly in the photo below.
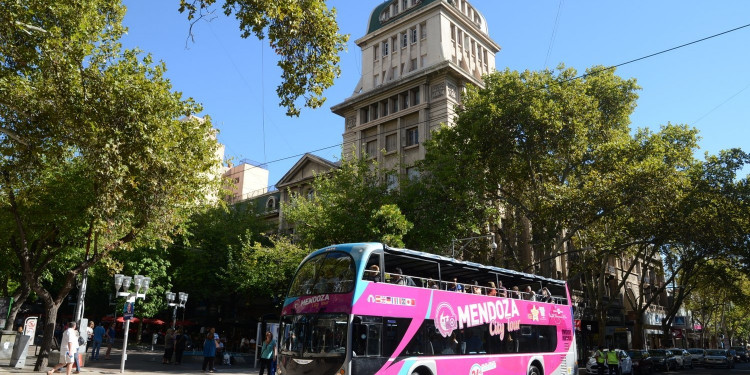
(331, 272)
(394, 330)
(366, 336)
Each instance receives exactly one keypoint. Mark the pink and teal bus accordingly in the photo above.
(366, 308)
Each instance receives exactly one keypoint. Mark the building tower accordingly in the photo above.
(417, 57)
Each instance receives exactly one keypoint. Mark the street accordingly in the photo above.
(138, 362)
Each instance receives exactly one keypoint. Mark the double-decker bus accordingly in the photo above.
(366, 308)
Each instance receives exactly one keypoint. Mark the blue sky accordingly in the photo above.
(705, 85)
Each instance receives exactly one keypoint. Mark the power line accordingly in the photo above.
(595, 72)
(554, 33)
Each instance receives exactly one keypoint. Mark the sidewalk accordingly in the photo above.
(138, 362)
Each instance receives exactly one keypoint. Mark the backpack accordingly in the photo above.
(81, 341)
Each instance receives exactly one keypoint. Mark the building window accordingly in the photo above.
(310, 194)
(371, 148)
(412, 136)
(394, 43)
(375, 80)
(374, 111)
(375, 53)
(412, 173)
(394, 104)
(364, 115)
(423, 30)
(414, 35)
(391, 181)
(404, 4)
(385, 48)
(453, 35)
(413, 65)
(384, 108)
(414, 96)
(271, 204)
(404, 40)
(390, 142)
(404, 100)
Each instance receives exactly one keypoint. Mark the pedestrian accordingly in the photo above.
(267, 353)
(76, 357)
(169, 344)
(612, 361)
(501, 292)
(209, 351)
(97, 338)
(179, 346)
(110, 337)
(600, 358)
(89, 335)
(69, 343)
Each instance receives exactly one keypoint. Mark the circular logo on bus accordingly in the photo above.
(445, 319)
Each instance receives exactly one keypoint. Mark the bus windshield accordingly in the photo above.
(315, 335)
(331, 272)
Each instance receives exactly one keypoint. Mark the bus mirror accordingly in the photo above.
(357, 320)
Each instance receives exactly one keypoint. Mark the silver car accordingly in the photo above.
(719, 357)
(697, 356)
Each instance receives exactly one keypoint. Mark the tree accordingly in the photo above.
(200, 255)
(94, 158)
(263, 271)
(303, 33)
(534, 156)
(351, 204)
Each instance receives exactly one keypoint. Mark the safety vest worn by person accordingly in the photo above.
(612, 357)
(599, 357)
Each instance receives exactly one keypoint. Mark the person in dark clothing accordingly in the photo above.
(179, 348)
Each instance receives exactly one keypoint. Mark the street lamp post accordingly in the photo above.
(491, 236)
(141, 283)
(181, 301)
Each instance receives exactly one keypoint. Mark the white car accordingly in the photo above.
(626, 364)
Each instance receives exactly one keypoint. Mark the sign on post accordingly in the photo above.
(127, 311)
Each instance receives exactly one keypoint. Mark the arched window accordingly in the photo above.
(310, 194)
(271, 204)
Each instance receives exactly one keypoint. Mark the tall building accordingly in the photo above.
(417, 58)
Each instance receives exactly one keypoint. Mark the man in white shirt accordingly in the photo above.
(68, 349)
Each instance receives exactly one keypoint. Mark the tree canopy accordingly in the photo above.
(303, 33)
(94, 156)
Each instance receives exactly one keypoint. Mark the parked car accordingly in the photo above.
(741, 355)
(719, 357)
(685, 358)
(663, 359)
(643, 364)
(698, 356)
(626, 364)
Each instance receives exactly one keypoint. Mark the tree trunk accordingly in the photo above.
(50, 312)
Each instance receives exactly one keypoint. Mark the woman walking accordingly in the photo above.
(267, 353)
(209, 350)
(168, 347)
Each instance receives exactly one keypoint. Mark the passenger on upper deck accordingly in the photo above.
(373, 273)
(492, 291)
(399, 277)
(544, 295)
(475, 288)
(455, 286)
(515, 293)
(501, 292)
(529, 294)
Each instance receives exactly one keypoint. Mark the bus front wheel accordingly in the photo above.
(533, 370)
